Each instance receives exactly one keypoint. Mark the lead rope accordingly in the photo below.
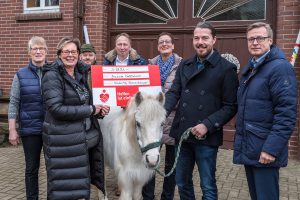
(184, 136)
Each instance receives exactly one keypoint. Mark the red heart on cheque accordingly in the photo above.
(104, 96)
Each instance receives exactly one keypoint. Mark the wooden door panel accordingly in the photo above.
(231, 38)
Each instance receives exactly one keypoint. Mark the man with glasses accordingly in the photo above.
(267, 111)
(168, 62)
(204, 91)
(26, 105)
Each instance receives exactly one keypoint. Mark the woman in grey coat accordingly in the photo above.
(168, 63)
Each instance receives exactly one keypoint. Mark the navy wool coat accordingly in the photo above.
(205, 96)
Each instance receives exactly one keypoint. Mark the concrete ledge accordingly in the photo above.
(39, 16)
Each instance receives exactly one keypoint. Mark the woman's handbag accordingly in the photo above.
(92, 137)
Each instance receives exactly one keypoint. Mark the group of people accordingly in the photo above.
(52, 104)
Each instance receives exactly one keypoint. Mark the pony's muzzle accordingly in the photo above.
(152, 161)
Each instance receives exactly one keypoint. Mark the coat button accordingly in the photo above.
(184, 104)
(200, 107)
(187, 91)
(202, 92)
(217, 126)
(182, 118)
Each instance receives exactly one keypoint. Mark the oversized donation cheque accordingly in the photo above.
(115, 85)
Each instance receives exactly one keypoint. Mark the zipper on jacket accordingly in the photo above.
(253, 71)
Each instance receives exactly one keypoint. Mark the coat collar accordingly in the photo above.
(112, 55)
(153, 61)
(275, 53)
(190, 70)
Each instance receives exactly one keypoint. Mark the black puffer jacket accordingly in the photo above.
(71, 168)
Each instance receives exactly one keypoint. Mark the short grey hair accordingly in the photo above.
(36, 40)
(261, 24)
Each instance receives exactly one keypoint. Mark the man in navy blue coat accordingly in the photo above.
(204, 89)
(267, 109)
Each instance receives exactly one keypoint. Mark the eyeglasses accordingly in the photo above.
(41, 49)
(67, 52)
(164, 41)
(258, 39)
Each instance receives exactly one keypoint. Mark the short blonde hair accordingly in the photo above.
(36, 40)
(261, 24)
(125, 35)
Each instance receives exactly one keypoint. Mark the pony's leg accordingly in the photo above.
(102, 196)
(126, 186)
(137, 192)
(126, 194)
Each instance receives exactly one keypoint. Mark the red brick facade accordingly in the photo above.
(17, 28)
(96, 19)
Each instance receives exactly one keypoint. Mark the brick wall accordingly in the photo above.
(17, 28)
(96, 17)
(14, 35)
(288, 25)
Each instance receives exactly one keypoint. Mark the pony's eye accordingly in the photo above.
(138, 124)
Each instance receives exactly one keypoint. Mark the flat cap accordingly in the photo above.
(87, 48)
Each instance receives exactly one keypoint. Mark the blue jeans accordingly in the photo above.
(32, 146)
(205, 157)
(263, 182)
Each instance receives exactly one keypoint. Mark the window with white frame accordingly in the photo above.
(32, 6)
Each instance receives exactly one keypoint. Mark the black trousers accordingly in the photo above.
(32, 146)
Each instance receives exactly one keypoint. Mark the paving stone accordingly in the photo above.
(231, 180)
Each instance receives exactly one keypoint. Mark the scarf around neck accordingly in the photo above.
(165, 68)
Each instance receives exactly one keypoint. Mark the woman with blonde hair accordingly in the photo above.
(74, 160)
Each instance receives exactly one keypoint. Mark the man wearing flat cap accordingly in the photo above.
(88, 54)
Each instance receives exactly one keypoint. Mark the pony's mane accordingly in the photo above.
(149, 105)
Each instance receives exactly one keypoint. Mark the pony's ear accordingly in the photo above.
(161, 98)
(138, 98)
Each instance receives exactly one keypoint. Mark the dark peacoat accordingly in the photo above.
(205, 96)
(71, 167)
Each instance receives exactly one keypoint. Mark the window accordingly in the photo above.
(151, 11)
(161, 11)
(32, 6)
(224, 10)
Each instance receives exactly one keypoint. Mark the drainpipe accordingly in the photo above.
(78, 17)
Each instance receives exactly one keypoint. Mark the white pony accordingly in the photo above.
(131, 140)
